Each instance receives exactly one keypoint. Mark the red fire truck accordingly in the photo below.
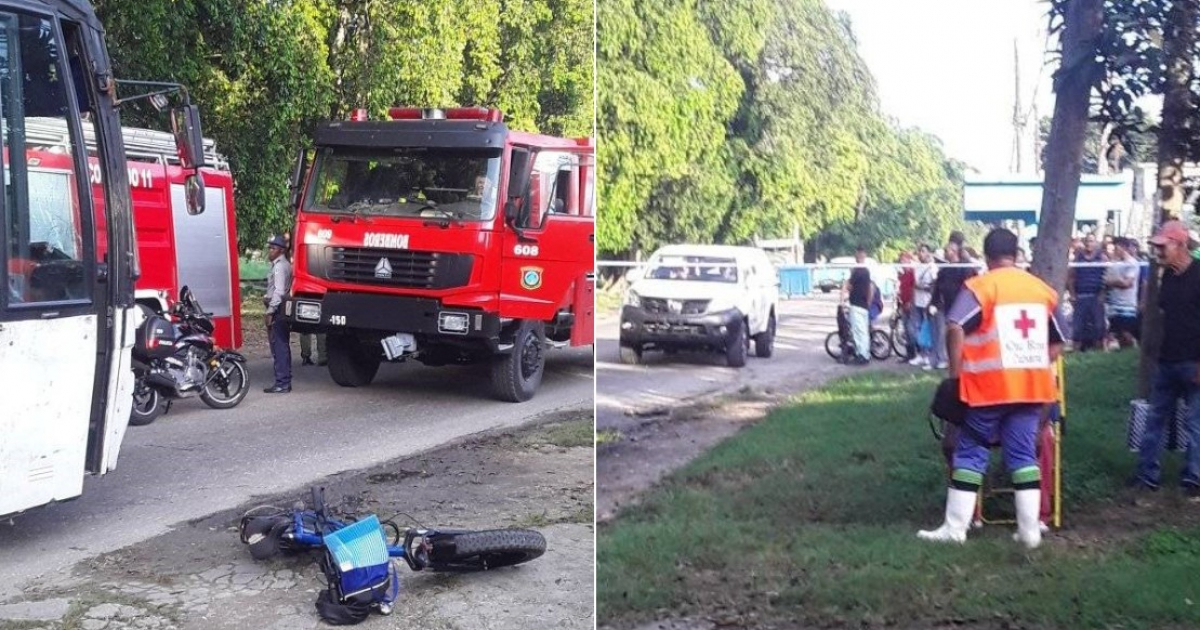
(444, 237)
(174, 248)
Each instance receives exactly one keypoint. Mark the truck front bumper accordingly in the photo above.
(388, 314)
(711, 331)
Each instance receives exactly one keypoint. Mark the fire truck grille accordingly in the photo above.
(394, 268)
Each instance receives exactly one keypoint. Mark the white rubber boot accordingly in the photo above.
(960, 507)
(1029, 525)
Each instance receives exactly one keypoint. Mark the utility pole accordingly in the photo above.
(1018, 121)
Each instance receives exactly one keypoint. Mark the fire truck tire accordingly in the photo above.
(349, 365)
(517, 375)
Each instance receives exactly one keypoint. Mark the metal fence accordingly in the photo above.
(802, 279)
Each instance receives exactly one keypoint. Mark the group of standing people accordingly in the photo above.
(1004, 334)
(1106, 289)
(928, 287)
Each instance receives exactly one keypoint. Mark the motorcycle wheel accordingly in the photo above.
(228, 387)
(148, 405)
(483, 550)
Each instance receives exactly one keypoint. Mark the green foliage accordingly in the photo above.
(752, 118)
(265, 71)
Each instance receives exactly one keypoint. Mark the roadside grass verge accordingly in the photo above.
(607, 436)
(568, 434)
(810, 517)
(609, 300)
(253, 269)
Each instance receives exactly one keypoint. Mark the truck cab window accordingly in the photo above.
(418, 184)
(550, 190)
(42, 219)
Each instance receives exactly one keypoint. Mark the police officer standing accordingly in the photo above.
(279, 285)
(1003, 337)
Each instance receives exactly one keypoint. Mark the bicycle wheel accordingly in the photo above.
(899, 338)
(881, 345)
(833, 346)
(483, 550)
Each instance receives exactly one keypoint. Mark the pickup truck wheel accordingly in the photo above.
(738, 346)
(764, 342)
(349, 364)
(631, 355)
(517, 375)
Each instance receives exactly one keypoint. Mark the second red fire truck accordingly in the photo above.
(445, 237)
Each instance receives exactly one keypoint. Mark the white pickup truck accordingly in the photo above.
(712, 298)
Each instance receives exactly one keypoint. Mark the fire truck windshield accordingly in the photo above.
(420, 184)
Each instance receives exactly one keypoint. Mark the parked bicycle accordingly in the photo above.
(898, 332)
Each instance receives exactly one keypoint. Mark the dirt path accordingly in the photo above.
(654, 418)
(199, 576)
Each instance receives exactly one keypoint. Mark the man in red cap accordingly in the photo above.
(1178, 372)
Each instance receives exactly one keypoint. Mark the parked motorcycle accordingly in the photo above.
(180, 359)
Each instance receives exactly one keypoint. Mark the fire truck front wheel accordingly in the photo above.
(517, 375)
(350, 364)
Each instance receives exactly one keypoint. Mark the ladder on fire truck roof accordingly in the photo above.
(140, 144)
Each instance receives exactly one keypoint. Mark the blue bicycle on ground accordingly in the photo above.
(357, 552)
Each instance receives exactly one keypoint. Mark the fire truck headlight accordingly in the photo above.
(453, 323)
(308, 311)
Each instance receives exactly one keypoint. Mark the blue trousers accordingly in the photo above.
(281, 351)
(1016, 427)
(1172, 381)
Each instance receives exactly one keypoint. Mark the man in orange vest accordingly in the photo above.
(1003, 337)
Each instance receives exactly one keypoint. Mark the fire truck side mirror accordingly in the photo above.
(298, 177)
(189, 140)
(193, 188)
(519, 172)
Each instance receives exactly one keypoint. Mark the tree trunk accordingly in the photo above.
(1068, 132)
(1179, 40)
(1102, 163)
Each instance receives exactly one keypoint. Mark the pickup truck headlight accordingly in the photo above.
(633, 299)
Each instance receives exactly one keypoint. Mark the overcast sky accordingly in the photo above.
(946, 66)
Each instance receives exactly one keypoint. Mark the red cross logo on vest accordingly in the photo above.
(1025, 324)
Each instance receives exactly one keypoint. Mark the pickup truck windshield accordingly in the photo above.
(694, 268)
(420, 183)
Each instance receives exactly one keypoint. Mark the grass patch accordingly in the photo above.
(811, 515)
(585, 515)
(607, 436)
(253, 269)
(569, 434)
(609, 300)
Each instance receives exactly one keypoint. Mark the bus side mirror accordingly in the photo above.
(193, 188)
(189, 140)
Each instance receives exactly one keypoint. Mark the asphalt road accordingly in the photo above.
(195, 461)
(624, 391)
